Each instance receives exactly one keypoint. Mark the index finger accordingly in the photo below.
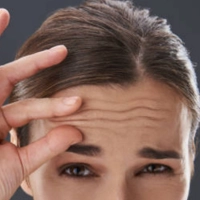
(13, 72)
(4, 19)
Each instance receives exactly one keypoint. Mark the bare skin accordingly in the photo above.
(17, 163)
(142, 135)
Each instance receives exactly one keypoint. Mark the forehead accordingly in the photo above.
(156, 93)
(149, 112)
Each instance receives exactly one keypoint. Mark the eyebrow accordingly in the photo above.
(148, 152)
(87, 150)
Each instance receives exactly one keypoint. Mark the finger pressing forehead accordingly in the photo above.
(22, 112)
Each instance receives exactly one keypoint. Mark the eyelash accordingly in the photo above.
(80, 170)
(156, 169)
(84, 171)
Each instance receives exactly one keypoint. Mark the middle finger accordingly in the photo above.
(13, 72)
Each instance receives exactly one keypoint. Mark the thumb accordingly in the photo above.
(55, 142)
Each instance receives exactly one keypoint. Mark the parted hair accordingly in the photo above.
(109, 42)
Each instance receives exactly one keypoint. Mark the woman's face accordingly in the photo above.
(135, 146)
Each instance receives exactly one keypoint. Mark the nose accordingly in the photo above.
(115, 189)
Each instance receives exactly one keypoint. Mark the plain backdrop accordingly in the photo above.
(26, 17)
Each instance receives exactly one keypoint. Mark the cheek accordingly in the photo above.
(176, 188)
(47, 185)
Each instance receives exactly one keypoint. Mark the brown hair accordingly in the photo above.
(109, 42)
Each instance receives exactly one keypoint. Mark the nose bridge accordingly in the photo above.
(116, 189)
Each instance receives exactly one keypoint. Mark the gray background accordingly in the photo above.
(26, 16)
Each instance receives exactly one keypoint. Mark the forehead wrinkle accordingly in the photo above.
(115, 120)
(128, 115)
(118, 111)
(116, 116)
(125, 105)
(143, 111)
(115, 109)
(113, 126)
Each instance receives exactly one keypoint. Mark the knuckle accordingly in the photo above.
(39, 60)
(38, 108)
(25, 162)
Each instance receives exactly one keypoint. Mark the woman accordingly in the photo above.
(115, 119)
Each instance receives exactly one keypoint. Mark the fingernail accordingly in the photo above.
(70, 100)
(75, 142)
(57, 48)
(77, 139)
(3, 10)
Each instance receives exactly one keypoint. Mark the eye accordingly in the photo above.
(156, 169)
(77, 171)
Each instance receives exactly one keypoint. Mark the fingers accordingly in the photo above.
(54, 143)
(13, 72)
(4, 19)
(22, 112)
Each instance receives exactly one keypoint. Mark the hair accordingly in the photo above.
(109, 42)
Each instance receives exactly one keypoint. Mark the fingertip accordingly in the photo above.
(72, 133)
(58, 53)
(64, 136)
(4, 19)
(70, 101)
(3, 11)
(79, 101)
(58, 50)
(78, 137)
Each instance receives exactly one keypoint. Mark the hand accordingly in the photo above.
(17, 163)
